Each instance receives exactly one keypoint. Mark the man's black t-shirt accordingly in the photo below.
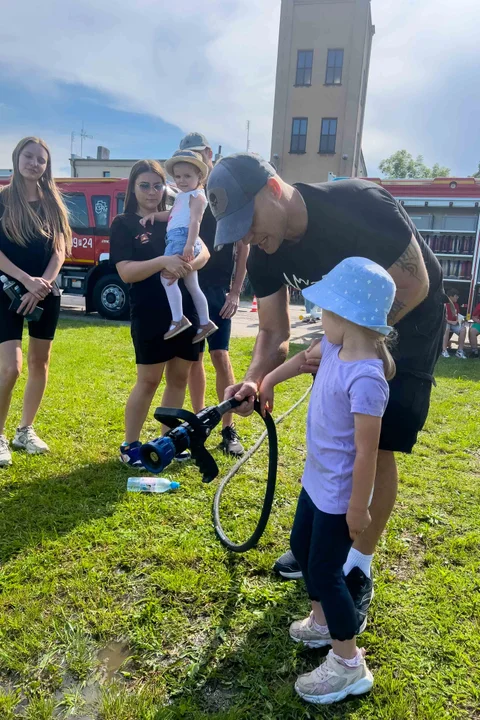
(33, 257)
(148, 302)
(346, 219)
(218, 270)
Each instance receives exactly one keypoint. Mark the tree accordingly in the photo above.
(477, 174)
(403, 165)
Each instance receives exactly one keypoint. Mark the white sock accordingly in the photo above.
(358, 559)
(320, 628)
(350, 662)
(199, 299)
(174, 297)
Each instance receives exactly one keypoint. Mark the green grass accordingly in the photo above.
(201, 633)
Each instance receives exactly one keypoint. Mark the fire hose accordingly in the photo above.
(189, 432)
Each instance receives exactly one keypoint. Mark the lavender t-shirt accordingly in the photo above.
(340, 390)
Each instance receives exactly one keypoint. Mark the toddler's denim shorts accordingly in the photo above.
(176, 241)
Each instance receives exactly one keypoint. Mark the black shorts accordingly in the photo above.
(406, 412)
(417, 351)
(11, 323)
(220, 340)
(151, 348)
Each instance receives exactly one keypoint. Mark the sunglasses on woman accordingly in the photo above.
(145, 187)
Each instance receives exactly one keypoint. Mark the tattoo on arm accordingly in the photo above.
(397, 307)
(409, 262)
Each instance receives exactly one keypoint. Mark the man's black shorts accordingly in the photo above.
(11, 323)
(406, 412)
(220, 340)
(417, 351)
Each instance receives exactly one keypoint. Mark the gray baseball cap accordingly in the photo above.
(231, 189)
(194, 141)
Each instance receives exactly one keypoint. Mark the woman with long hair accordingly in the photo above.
(138, 253)
(34, 237)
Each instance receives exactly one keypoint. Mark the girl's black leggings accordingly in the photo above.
(321, 543)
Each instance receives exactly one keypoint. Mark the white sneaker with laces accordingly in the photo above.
(332, 681)
(460, 354)
(5, 454)
(304, 631)
(27, 439)
(445, 354)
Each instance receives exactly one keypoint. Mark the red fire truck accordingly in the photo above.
(92, 205)
(446, 211)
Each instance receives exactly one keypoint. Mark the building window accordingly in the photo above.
(298, 140)
(101, 210)
(77, 209)
(334, 67)
(106, 173)
(328, 138)
(304, 67)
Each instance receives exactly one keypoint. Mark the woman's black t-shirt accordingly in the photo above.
(32, 258)
(129, 240)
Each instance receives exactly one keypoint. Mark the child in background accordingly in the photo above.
(189, 171)
(348, 400)
(454, 324)
(475, 329)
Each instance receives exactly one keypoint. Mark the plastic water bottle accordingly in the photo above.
(151, 485)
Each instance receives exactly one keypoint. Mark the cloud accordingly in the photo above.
(207, 65)
(423, 82)
(211, 66)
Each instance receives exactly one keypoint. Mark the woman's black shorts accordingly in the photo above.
(151, 348)
(11, 323)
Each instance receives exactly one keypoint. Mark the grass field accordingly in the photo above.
(116, 606)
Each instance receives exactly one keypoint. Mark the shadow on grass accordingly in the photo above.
(257, 678)
(78, 320)
(457, 369)
(42, 508)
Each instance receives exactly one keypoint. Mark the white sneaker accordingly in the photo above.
(333, 681)
(5, 454)
(460, 354)
(27, 439)
(445, 354)
(304, 631)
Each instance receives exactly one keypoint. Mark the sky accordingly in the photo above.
(139, 75)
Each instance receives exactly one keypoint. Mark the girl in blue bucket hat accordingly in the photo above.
(348, 399)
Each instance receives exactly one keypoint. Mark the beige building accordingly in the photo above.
(322, 75)
(101, 167)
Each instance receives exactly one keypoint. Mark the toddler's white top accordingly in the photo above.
(180, 214)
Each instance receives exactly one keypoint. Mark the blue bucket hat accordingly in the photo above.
(231, 189)
(358, 290)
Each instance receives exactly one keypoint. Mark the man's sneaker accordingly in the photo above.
(27, 439)
(445, 354)
(231, 444)
(288, 567)
(474, 354)
(183, 456)
(460, 354)
(130, 454)
(304, 631)
(332, 681)
(360, 588)
(5, 454)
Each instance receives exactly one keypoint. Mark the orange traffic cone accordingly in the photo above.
(254, 305)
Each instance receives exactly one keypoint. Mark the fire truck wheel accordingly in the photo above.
(110, 298)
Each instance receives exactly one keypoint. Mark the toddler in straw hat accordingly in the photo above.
(189, 172)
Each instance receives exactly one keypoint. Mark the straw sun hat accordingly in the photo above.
(187, 156)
